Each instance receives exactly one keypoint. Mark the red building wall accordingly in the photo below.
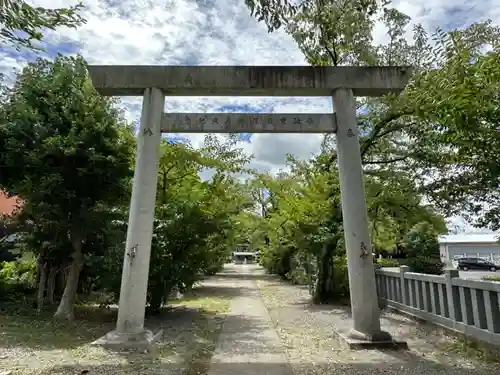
(8, 205)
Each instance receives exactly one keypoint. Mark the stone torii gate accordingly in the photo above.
(342, 84)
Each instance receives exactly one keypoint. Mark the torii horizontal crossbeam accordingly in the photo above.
(248, 123)
(132, 80)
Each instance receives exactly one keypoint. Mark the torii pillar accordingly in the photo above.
(362, 286)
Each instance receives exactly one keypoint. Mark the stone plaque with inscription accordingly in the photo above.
(248, 123)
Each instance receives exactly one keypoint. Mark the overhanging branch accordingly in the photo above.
(387, 161)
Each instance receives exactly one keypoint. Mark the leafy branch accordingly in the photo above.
(22, 24)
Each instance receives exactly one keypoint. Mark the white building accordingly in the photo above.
(240, 257)
(456, 246)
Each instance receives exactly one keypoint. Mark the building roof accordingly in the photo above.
(470, 238)
(243, 253)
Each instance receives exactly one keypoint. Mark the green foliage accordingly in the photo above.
(10, 236)
(179, 253)
(304, 239)
(461, 122)
(438, 141)
(341, 277)
(294, 226)
(22, 24)
(445, 124)
(65, 148)
(278, 13)
(68, 154)
(17, 277)
(192, 227)
(277, 260)
(491, 278)
(195, 219)
(335, 32)
(299, 272)
(388, 262)
(215, 266)
(422, 249)
(103, 260)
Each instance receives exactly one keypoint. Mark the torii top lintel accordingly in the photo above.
(132, 80)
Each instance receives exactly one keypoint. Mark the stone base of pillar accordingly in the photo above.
(142, 341)
(380, 336)
(355, 340)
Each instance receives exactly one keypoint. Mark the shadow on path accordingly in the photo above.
(246, 339)
(266, 369)
(261, 368)
(244, 271)
(211, 291)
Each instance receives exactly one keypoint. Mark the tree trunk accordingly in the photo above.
(51, 285)
(42, 281)
(156, 300)
(63, 277)
(40, 262)
(325, 290)
(65, 310)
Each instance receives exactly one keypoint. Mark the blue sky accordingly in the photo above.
(218, 32)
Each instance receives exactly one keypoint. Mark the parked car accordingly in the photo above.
(9, 247)
(466, 264)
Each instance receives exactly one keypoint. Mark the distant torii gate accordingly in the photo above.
(156, 82)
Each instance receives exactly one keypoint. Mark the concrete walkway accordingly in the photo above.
(271, 329)
(248, 343)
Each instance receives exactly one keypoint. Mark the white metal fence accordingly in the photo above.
(468, 306)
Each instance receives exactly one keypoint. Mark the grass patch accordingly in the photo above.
(491, 278)
(207, 330)
(23, 326)
(473, 349)
(33, 343)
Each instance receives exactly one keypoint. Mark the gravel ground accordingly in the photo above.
(306, 332)
(303, 342)
(31, 344)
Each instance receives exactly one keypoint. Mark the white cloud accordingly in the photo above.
(217, 32)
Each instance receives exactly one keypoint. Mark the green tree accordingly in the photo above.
(427, 137)
(194, 218)
(458, 105)
(422, 246)
(67, 152)
(444, 125)
(277, 13)
(305, 240)
(338, 33)
(22, 24)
